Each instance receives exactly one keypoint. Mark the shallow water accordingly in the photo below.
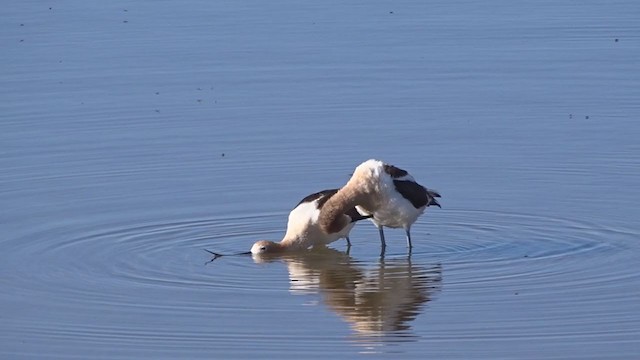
(133, 136)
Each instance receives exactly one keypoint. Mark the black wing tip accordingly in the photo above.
(359, 217)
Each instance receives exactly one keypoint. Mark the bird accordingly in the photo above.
(389, 195)
(303, 230)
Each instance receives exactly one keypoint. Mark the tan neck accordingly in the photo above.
(332, 217)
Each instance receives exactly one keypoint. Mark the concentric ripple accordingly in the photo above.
(160, 255)
(466, 264)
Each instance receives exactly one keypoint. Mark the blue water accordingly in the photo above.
(134, 135)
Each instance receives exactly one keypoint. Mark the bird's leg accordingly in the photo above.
(382, 242)
(409, 245)
(348, 242)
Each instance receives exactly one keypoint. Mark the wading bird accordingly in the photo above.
(387, 194)
(303, 230)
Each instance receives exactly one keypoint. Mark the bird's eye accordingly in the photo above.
(263, 248)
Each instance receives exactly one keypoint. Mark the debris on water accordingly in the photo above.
(222, 154)
(616, 40)
(587, 117)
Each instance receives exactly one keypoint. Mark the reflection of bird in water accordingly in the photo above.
(388, 298)
(376, 301)
(303, 230)
(383, 191)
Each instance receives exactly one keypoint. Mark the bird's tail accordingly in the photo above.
(432, 198)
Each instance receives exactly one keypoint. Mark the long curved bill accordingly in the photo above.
(218, 255)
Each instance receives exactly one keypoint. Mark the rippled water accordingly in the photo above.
(133, 136)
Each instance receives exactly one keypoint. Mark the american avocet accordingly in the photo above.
(389, 194)
(303, 230)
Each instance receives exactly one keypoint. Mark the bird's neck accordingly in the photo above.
(332, 218)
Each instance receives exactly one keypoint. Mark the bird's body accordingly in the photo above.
(389, 195)
(303, 230)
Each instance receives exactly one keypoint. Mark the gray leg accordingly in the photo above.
(409, 245)
(382, 242)
(348, 241)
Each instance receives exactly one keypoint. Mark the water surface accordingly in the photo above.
(134, 135)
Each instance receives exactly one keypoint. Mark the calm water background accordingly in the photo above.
(135, 134)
